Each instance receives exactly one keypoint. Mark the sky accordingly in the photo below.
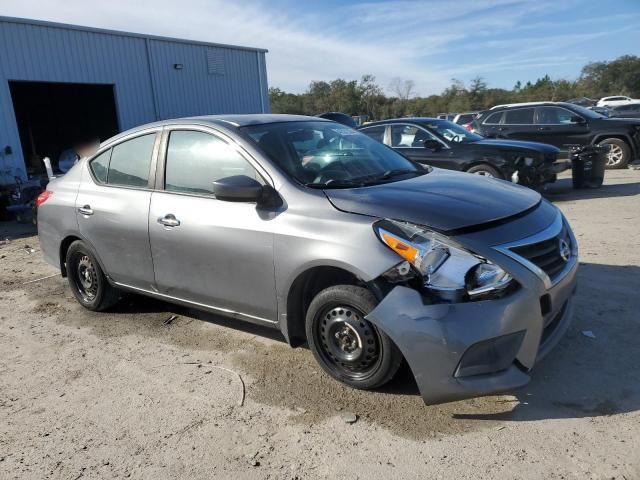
(429, 42)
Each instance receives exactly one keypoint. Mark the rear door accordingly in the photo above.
(409, 139)
(113, 207)
(518, 124)
(207, 251)
(490, 124)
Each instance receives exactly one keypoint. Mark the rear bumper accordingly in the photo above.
(440, 342)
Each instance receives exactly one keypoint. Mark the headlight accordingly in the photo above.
(447, 269)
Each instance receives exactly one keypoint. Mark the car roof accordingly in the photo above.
(403, 120)
(532, 104)
(232, 120)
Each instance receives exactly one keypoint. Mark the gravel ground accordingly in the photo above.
(138, 393)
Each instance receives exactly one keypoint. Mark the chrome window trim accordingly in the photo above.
(550, 232)
(505, 112)
(109, 146)
(497, 114)
(574, 114)
(418, 127)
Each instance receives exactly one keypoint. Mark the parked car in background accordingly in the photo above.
(339, 117)
(310, 227)
(604, 111)
(583, 101)
(564, 125)
(465, 119)
(448, 145)
(631, 110)
(446, 116)
(615, 101)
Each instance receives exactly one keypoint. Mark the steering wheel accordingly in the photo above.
(456, 138)
(333, 171)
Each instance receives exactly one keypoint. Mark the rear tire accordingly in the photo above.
(87, 280)
(485, 170)
(619, 155)
(347, 346)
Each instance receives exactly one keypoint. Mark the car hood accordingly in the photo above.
(442, 200)
(515, 145)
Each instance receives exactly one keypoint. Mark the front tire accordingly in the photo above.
(485, 170)
(87, 280)
(346, 345)
(619, 155)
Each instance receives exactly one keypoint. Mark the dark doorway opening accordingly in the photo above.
(54, 117)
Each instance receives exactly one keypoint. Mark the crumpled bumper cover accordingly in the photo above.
(434, 338)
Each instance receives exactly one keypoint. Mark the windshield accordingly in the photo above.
(585, 112)
(452, 132)
(330, 155)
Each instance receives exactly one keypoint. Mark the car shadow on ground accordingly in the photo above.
(581, 377)
(562, 190)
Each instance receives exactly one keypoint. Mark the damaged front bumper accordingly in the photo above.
(463, 350)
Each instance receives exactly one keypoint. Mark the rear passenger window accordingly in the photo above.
(100, 165)
(130, 162)
(519, 116)
(377, 133)
(197, 159)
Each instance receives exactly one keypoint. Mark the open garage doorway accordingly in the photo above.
(54, 117)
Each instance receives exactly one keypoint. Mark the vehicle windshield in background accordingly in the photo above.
(585, 112)
(451, 131)
(330, 155)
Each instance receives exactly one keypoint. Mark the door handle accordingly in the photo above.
(85, 210)
(169, 220)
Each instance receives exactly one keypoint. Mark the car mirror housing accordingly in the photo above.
(432, 145)
(238, 188)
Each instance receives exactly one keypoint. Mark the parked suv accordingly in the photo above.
(310, 227)
(563, 125)
(444, 144)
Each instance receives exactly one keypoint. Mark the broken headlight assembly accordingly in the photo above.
(444, 268)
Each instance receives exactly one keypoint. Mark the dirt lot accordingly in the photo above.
(131, 394)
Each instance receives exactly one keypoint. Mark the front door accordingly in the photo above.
(560, 127)
(208, 251)
(409, 140)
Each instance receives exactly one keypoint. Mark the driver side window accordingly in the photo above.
(197, 159)
(408, 136)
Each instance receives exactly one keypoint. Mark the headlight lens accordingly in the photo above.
(447, 269)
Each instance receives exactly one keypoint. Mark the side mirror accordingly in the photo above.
(238, 188)
(432, 145)
(577, 119)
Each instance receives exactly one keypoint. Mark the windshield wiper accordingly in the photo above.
(336, 184)
(389, 174)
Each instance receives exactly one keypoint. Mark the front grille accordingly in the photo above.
(546, 254)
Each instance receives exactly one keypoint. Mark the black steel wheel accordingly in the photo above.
(87, 280)
(347, 346)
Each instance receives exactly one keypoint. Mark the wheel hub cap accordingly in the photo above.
(87, 278)
(615, 155)
(348, 339)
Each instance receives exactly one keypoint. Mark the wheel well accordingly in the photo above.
(476, 163)
(617, 137)
(64, 246)
(304, 288)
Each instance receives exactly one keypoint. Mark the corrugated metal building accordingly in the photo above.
(62, 83)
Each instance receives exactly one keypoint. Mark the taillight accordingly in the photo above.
(43, 197)
(468, 126)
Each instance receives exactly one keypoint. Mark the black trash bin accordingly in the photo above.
(587, 165)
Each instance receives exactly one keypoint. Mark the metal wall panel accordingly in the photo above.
(147, 86)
